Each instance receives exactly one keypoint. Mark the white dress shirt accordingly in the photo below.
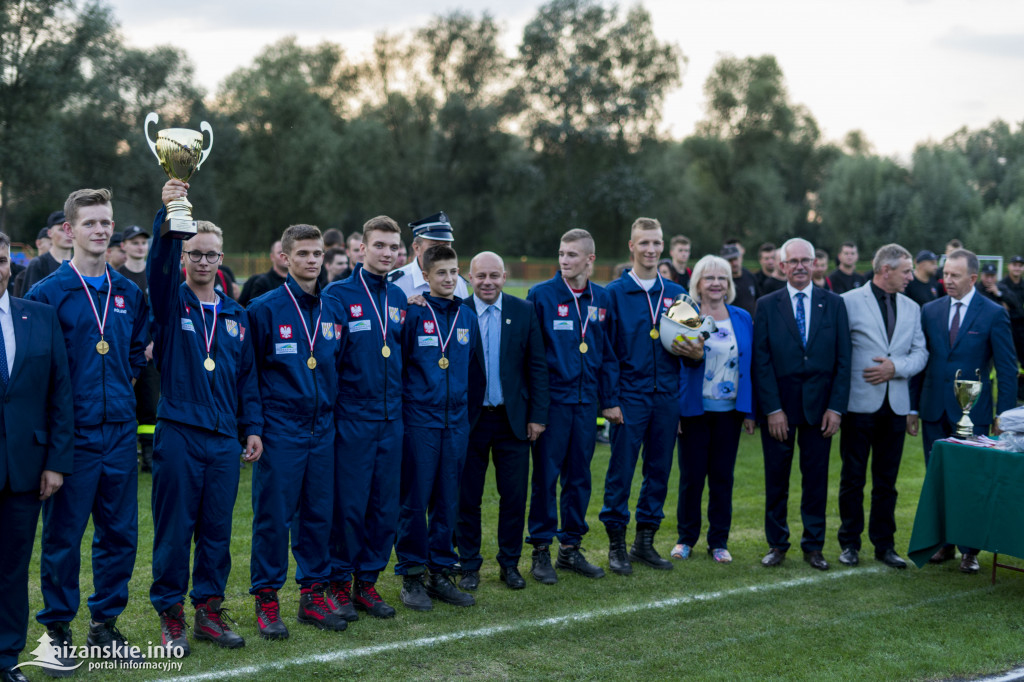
(7, 323)
(412, 282)
(966, 300)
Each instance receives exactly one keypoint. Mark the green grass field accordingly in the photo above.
(700, 620)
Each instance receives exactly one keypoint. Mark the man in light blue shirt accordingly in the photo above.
(509, 415)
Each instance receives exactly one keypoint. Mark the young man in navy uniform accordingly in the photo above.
(583, 371)
(368, 412)
(296, 348)
(209, 399)
(649, 380)
(104, 318)
(36, 446)
(440, 341)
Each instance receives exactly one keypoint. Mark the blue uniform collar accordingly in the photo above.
(372, 280)
(308, 300)
(69, 280)
(443, 304)
(228, 305)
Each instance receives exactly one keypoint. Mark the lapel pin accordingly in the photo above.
(508, 321)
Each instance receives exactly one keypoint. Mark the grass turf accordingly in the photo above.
(737, 621)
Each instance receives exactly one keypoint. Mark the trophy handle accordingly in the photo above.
(977, 373)
(205, 127)
(957, 377)
(151, 117)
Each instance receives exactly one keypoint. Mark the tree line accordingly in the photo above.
(517, 148)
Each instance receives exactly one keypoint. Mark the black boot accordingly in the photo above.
(146, 453)
(541, 569)
(618, 560)
(644, 552)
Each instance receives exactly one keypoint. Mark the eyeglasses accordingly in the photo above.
(197, 256)
(800, 261)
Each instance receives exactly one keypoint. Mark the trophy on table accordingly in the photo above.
(966, 393)
(683, 320)
(180, 153)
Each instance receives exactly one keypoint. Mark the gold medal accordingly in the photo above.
(102, 347)
(311, 362)
(443, 362)
(209, 364)
(654, 334)
(385, 351)
(584, 347)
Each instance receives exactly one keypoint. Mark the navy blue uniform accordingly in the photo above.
(649, 394)
(368, 425)
(106, 479)
(294, 475)
(435, 408)
(580, 384)
(200, 418)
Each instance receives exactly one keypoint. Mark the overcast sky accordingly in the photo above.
(902, 71)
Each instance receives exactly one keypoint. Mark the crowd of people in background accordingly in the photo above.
(370, 391)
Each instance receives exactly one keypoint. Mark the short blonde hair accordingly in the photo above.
(206, 227)
(711, 264)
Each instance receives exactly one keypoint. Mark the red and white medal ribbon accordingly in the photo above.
(373, 302)
(647, 297)
(583, 322)
(443, 342)
(101, 323)
(208, 335)
(305, 327)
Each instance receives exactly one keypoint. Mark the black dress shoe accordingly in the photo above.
(774, 557)
(470, 581)
(943, 554)
(816, 560)
(510, 576)
(969, 563)
(11, 675)
(849, 557)
(891, 559)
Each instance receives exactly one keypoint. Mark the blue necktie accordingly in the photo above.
(492, 343)
(4, 375)
(801, 318)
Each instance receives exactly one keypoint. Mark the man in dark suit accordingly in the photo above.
(36, 450)
(965, 331)
(802, 382)
(509, 416)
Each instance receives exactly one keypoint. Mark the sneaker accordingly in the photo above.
(106, 634)
(339, 600)
(268, 615)
(366, 599)
(681, 552)
(442, 586)
(60, 636)
(721, 555)
(541, 569)
(313, 609)
(172, 630)
(572, 559)
(414, 593)
(210, 625)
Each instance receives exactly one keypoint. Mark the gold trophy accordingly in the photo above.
(683, 320)
(967, 393)
(180, 153)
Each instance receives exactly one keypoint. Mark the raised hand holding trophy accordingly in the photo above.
(180, 153)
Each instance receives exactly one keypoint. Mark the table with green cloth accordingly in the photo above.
(972, 497)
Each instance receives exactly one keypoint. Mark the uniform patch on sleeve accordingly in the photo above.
(327, 330)
(426, 341)
(359, 326)
(562, 325)
(462, 335)
(186, 325)
(232, 327)
(286, 348)
(395, 314)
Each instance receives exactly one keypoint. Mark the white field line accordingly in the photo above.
(514, 626)
(1008, 676)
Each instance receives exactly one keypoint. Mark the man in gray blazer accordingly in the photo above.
(888, 349)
